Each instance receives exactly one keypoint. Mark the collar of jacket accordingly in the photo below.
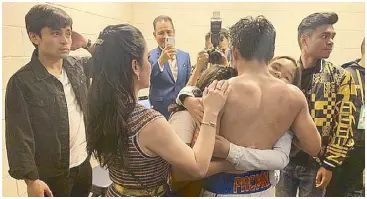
(40, 70)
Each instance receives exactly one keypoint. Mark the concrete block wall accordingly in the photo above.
(192, 22)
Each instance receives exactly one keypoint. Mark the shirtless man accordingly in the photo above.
(259, 109)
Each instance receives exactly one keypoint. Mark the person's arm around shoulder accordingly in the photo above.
(184, 125)
(193, 104)
(166, 144)
(248, 159)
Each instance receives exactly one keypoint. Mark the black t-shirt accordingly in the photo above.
(302, 158)
(306, 81)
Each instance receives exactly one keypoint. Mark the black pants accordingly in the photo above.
(77, 184)
(348, 178)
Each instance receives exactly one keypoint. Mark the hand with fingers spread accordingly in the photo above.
(323, 177)
(168, 53)
(215, 96)
(195, 108)
(37, 188)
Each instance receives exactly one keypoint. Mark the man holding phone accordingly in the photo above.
(171, 67)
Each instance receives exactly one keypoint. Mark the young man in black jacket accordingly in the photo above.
(45, 109)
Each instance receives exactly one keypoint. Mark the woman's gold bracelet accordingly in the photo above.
(212, 124)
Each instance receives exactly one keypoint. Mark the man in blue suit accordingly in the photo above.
(170, 67)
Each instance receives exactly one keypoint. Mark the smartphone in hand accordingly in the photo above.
(170, 41)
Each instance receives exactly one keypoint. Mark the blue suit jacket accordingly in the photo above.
(163, 88)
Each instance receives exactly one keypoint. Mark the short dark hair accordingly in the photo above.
(362, 46)
(164, 18)
(254, 38)
(44, 15)
(310, 23)
(224, 33)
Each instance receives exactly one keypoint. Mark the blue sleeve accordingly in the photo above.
(155, 68)
(188, 68)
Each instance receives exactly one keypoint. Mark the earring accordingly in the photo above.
(138, 77)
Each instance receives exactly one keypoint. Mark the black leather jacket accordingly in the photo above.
(36, 117)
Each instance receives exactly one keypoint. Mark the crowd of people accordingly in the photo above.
(248, 124)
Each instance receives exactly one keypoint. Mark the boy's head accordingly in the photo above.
(49, 28)
(316, 34)
(286, 69)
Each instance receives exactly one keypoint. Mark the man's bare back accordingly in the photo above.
(259, 110)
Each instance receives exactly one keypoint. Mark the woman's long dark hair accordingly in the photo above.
(215, 72)
(111, 97)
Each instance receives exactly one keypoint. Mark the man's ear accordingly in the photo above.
(35, 39)
(303, 40)
(234, 53)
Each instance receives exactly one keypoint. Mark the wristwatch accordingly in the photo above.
(88, 44)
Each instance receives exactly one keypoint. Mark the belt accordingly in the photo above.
(244, 183)
(159, 191)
